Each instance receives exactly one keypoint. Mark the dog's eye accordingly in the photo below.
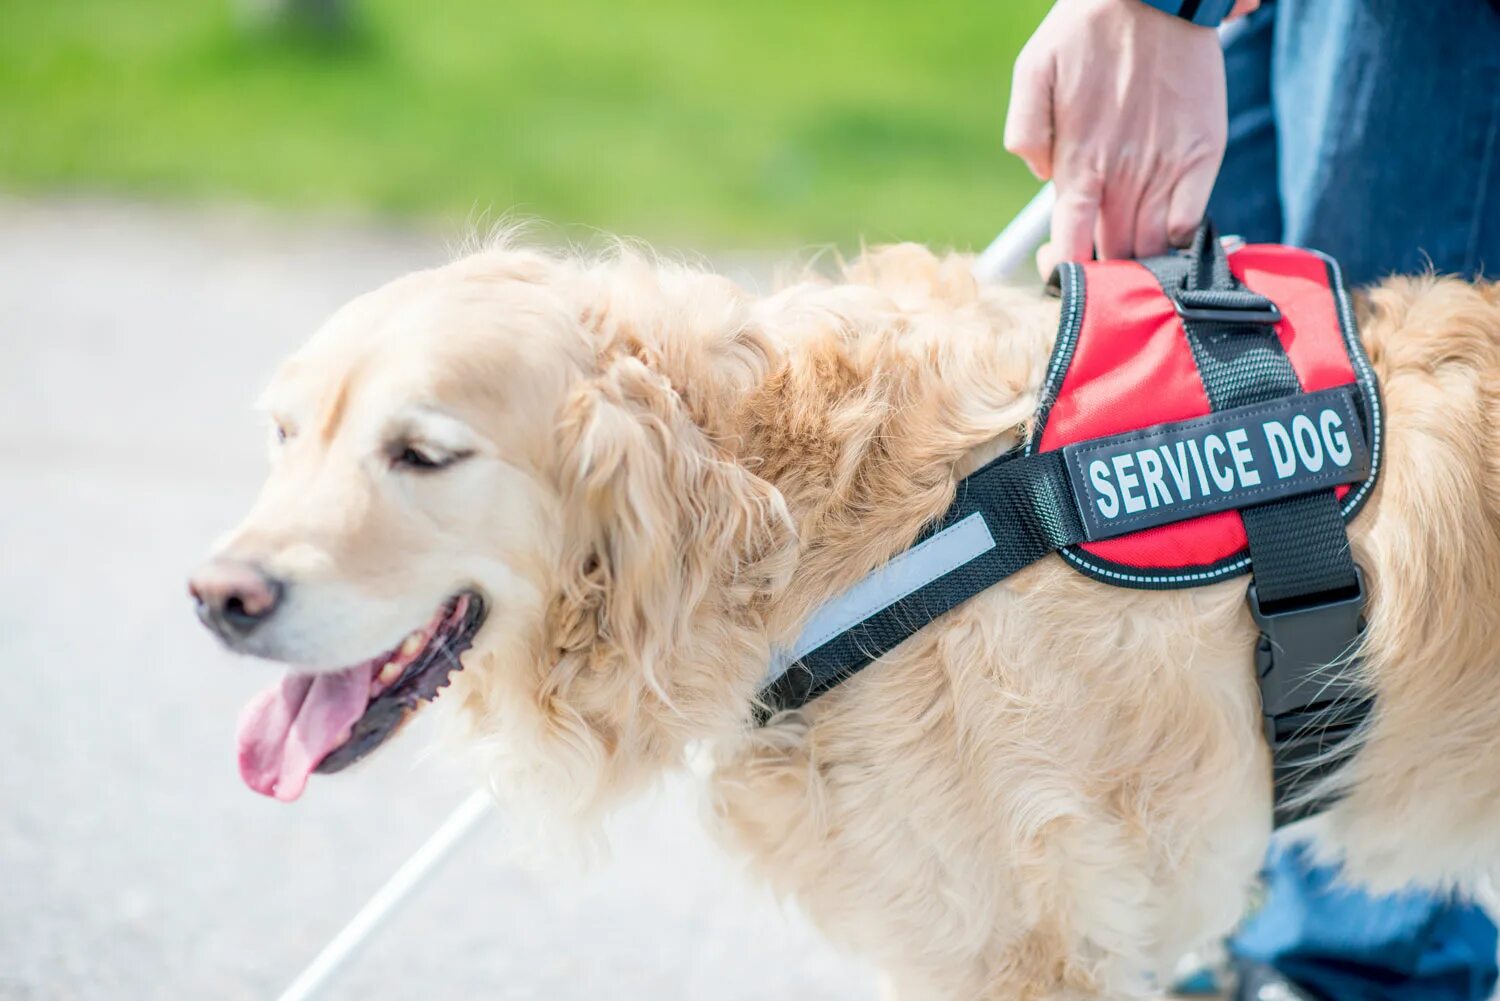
(419, 458)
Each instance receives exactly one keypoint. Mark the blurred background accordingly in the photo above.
(767, 124)
(187, 188)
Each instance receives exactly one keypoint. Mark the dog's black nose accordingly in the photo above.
(233, 598)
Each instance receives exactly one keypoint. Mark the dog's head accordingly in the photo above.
(479, 475)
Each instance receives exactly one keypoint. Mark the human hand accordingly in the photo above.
(1123, 107)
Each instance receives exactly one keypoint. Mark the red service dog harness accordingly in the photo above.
(1205, 414)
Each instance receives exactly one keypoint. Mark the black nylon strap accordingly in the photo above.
(1299, 547)
(1028, 507)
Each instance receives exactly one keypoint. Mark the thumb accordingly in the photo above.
(1028, 121)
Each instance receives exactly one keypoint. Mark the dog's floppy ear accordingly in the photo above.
(658, 521)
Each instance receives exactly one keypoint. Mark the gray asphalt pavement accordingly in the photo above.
(133, 864)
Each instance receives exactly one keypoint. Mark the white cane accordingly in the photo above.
(413, 872)
(1019, 239)
(1009, 251)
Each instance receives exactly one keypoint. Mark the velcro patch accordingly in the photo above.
(1229, 459)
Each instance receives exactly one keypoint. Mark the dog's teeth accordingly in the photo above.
(390, 672)
(412, 644)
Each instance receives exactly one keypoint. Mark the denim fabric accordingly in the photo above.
(1369, 129)
(1346, 946)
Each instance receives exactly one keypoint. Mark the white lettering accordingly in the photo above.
(1217, 463)
(1211, 445)
(1238, 448)
(1335, 437)
(1178, 469)
(1128, 483)
(1108, 503)
(1281, 449)
(1309, 445)
(1151, 477)
(1198, 464)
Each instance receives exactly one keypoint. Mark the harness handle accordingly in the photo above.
(1209, 267)
(1210, 292)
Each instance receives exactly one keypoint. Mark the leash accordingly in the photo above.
(1002, 258)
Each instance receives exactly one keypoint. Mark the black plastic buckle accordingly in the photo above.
(1307, 748)
(1256, 310)
(1299, 644)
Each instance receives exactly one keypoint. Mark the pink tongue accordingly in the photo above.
(288, 728)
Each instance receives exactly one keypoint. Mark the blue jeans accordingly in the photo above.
(1341, 944)
(1369, 129)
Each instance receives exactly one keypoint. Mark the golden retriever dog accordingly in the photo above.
(591, 496)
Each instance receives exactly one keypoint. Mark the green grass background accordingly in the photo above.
(747, 124)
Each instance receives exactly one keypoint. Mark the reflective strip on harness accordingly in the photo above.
(960, 543)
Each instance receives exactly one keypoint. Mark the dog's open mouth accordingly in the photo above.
(327, 721)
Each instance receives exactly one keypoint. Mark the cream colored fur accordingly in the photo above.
(1051, 792)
